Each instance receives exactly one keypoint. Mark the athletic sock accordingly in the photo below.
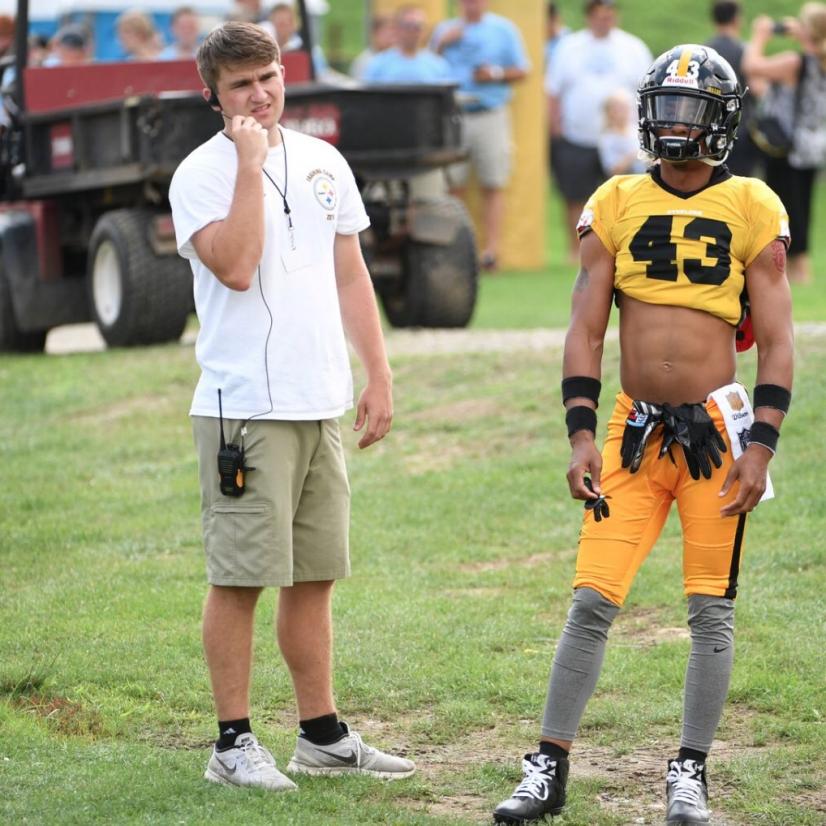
(692, 754)
(552, 750)
(228, 730)
(323, 730)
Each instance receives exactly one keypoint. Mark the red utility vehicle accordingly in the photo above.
(85, 165)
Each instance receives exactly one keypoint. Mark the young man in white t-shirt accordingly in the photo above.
(269, 220)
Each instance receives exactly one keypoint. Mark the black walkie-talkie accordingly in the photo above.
(231, 467)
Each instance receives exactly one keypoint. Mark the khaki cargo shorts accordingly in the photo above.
(487, 137)
(292, 522)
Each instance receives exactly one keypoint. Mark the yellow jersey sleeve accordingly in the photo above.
(599, 214)
(768, 219)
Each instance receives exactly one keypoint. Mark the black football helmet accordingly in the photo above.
(689, 86)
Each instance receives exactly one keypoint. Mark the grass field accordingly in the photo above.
(463, 547)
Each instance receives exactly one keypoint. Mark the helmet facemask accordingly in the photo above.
(708, 121)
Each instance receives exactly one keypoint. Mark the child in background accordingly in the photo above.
(618, 142)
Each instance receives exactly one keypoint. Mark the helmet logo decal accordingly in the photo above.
(682, 66)
(683, 72)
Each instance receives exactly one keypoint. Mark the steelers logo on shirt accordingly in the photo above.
(325, 192)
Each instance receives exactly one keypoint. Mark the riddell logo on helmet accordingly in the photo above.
(676, 80)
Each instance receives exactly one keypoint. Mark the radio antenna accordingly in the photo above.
(221, 421)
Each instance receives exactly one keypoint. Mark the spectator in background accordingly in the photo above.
(138, 36)
(728, 20)
(407, 62)
(248, 11)
(382, 36)
(586, 67)
(7, 71)
(555, 30)
(186, 35)
(486, 55)
(71, 46)
(793, 178)
(619, 143)
(285, 25)
(6, 35)
(38, 49)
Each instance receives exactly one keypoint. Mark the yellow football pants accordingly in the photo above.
(612, 550)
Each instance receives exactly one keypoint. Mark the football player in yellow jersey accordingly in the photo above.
(675, 249)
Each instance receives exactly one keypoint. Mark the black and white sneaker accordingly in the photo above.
(541, 792)
(686, 792)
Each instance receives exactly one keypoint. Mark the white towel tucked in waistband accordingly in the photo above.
(735, 406)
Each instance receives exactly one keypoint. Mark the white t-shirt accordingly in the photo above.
(585, 69)
(306, 356)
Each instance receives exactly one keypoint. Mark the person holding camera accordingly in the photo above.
(803, 74)
(269, 220)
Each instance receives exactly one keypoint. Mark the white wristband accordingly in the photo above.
(496, 72)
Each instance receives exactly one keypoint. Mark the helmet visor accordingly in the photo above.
(668, 109)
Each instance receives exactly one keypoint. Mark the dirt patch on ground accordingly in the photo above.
(458, 411)
(474, 592)
(532, 561)
(633, 782)
(123, 409)
(62, 715)
(439, 342)
(645, 628)
(436, 455)
(438, 451)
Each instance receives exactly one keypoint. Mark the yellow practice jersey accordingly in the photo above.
(681, 249)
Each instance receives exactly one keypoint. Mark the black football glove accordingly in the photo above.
(692, 428)
(642, 419)
(599, 506)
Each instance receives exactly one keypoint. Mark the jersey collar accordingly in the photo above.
(718, 175)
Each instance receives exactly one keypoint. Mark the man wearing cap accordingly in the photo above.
(70, 47)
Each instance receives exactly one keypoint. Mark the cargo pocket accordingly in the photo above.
(240, 543)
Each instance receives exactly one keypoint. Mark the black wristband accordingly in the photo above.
(762, 433)
(772, 395)
(583, 387)
(581, 418)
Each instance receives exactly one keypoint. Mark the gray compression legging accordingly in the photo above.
(581, 650)
(577, 662)
(711, 620)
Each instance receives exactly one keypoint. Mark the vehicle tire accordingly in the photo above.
(136, 296)
(438, 285)
(12, 339)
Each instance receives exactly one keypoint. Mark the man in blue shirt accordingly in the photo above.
(186, 35)
(486, 55)
(406, 62)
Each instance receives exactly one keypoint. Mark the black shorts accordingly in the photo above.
(576, 169)
(795, 187)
